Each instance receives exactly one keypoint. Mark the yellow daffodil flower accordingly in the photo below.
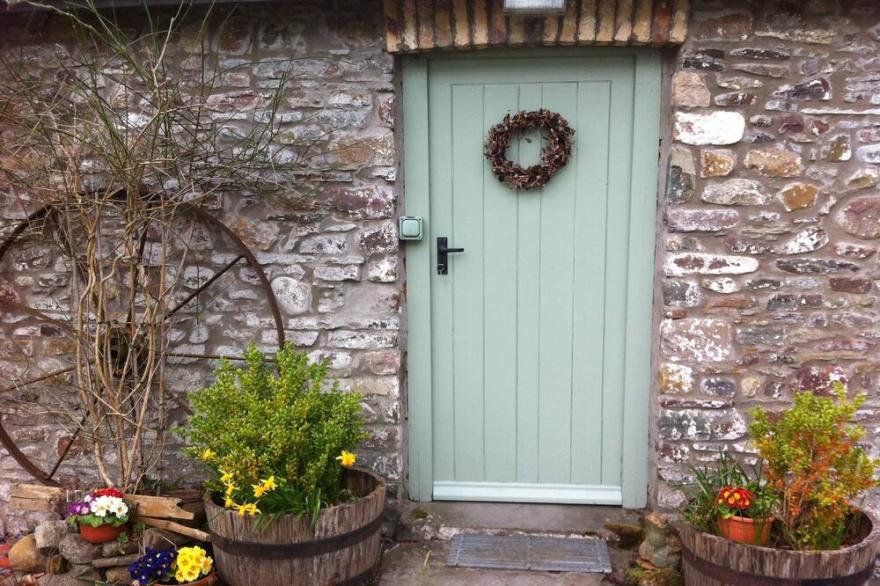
(227, 477)
(208, 454)
(259, 490)
(347, 459)
(247, 509)
(230, 488)
(229, 504)
(270, 484)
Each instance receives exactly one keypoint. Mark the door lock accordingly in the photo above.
(442, 254)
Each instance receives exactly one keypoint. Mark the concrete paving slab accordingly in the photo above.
(424, 564)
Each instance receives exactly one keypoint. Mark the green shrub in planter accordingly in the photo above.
(274, 437)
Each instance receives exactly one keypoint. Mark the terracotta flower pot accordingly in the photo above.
(745, 530)
(101, 533)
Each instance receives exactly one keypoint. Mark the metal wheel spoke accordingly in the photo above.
(69, 445)
(22, 458)
(55, 229)
(39, 314)
(204, 286)
(39, 379)
(253, 262)
(19, 230)
(66, 244)
(206, 356)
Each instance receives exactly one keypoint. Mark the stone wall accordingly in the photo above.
(772, 220)
(768, 252)
(335, 267)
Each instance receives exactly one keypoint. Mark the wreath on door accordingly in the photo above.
(554, 154)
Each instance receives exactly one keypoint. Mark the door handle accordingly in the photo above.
(443, 251)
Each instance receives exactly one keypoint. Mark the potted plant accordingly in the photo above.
(745, 514)
(186, 565)
(101, 516)
(814, 473)
(730, 502)
(284, 498)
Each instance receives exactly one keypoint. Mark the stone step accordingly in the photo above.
(424, 521)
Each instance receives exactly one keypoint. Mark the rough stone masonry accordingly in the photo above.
(333, 264)
(771, 222)
(767, 255)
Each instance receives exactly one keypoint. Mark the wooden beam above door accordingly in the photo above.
(413, 26)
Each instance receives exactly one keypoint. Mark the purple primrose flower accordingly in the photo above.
(78, 508)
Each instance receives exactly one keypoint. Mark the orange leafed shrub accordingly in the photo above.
(815, 464)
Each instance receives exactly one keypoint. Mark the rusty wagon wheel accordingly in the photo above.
(54, 325)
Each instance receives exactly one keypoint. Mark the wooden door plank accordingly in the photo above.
(466, 275)
(640, 294)
(588, 319)
(528, 255)
(499, 301)
(620, 145)
(557, 257)
(443, 399)
(418, 279)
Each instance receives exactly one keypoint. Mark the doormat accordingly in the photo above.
(529, 552)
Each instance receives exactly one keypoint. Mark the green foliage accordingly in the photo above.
(654, 577)
(96, 521)
(816, 465)
(703, 510)
(261, 425)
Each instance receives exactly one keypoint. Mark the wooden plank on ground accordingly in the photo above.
(197, 534)
(36, 497)
(159, 506)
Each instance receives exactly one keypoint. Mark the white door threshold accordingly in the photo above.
(521, 492)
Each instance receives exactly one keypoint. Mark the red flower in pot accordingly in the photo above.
(101, 515)
(743, 516)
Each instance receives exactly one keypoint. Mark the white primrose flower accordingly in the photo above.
(108, 504)
(120, 509)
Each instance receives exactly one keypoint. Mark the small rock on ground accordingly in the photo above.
(50, 533)
(25, 557)
(77, 550)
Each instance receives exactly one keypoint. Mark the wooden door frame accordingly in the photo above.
(640, 261)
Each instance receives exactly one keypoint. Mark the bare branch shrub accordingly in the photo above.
(116, 147)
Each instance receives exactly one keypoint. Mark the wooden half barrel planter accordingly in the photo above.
(343, 548)
(710, 560)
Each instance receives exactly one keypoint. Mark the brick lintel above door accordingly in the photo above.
(413, 26)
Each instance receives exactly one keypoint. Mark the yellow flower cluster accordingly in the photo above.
(191, 563)
(228, 481)
(347, 459)
(265, 486)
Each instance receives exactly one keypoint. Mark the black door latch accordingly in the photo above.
(442, 251)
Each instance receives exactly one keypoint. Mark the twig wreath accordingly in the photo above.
(554, 154)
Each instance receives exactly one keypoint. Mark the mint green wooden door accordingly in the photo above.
(528, 329)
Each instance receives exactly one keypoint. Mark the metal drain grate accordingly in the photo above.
(528, 552)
